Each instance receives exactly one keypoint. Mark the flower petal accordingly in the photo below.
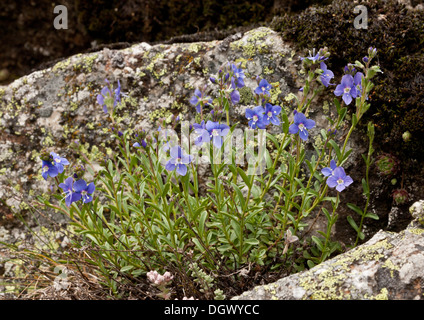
(309, 123)
(340, 187)
(181, 169)
(80, 185)
(326, 171)
(339, 90)
(332, 181)
(293, 129)
(91, 187)
(299, 117)
(303, 134)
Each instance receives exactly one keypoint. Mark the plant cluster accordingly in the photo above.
(145, 212)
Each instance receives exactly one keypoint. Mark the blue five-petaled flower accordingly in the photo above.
(263, 88)
(255, 117)
(301, 124)
(70, 195)
(84, 190)
(339, 179)
(271, 113)
(105, 94)
(59, 161)
(178, 161)
(48, 169)
(326, 76)
(328, 171)
(347, 88)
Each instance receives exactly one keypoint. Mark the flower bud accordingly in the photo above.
(212, 79)
(406, 136)
(365, 59)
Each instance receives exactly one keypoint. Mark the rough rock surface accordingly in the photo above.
(389, 266)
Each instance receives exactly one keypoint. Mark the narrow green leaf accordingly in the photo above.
(355, 208)
(336, 149)
(126, 268)
(252, 241)
(353, 223)
(318, 242)
(372, 216)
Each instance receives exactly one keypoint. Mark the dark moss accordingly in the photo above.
(398, 34)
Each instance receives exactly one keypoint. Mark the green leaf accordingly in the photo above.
(126, 268)
(252, 241)
(355, 208)
(318, 242)
(353, 224)
(372, 216)
(311, 264)
(240, 195)
(327, 214)
(336, 149)
(365, 187)
(244, 177)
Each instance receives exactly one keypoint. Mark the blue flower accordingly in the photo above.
(263, 88)
(255, 117)
(347, 88)
(300, 125)
(357, 80)
(198, 100)
(48, 169)
(84, 190)
(101, 98)
(59, 162)
(235, 97)
(217, 131)
(138, 145)
(178, 161)
(203, 134)
(314, 57)
(117, 95)
(106, 94)
(328, 171)
(70, 195)
(238, 75)
(339, 179)
(326, 76)
(271, 113)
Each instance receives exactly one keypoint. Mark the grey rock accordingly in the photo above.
(388, 266)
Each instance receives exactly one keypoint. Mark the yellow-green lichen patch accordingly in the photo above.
(85, 64)
(391, 266)
(252, 43)
(383, 295)
(331, 281)
(246, 95)
(194, 47)
(61, 65)
(416, 231)
(275, 92)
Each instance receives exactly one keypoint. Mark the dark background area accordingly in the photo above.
(29, 39)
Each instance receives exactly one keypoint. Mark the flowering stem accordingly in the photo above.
(331, 222)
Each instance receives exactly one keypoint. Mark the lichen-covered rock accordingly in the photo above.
(388, 266)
